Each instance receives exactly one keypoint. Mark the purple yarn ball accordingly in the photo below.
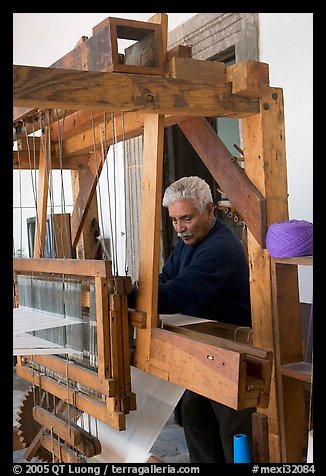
(290, 238)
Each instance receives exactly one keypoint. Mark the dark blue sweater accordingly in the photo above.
(208, 280)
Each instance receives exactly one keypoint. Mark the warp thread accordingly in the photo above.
(290, 238)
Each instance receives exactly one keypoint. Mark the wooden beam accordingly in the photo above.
(62, 236)
(67, 266)
(288, 348)
(85, 244)
(215, 372)
(42, 198)
(61, 451)
(75, 372)
(243, 195)
(87, 188)
(60, 427)
(25, 161)
(249, 79)
(79, 137)
(264, 149)
(152, 177)
(95, 407)
(103, 328)
(260, 438)
(149, 51)
(60, 88)
(188, 68)
(81, 141)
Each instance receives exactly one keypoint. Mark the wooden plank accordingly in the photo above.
(143, 53)
(116, 347)
(298, 370)
(293, 427)
(59, 88)
(242, 193)
(182, 51)
(264, 138)
(249, 79)
(219, 341)
(89, 444)
(222, 329)
(129, 396)
(61, 451)
(137, 318)
(103, 330)
(62, 235)
(120, 347)
(60, 427)
(85, 243)
(77, 399)
(260, 438)
(287, 318)
(29, 144)
(95, 53)
(126, 126)
(66, 266)
(258, 362)
(152, 177)
(78, 162)
(75, 372)
(213, 72)
(162, 20)
(87, 188)
(146, 56)
(288, 349)
(203, 368)
(295, 260)
(34, 446)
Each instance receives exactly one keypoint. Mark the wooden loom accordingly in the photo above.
(158, 88)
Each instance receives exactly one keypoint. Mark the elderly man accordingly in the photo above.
(205, 276)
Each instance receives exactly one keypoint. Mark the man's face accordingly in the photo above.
(190, 225)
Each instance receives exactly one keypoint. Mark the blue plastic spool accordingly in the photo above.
(241, 453)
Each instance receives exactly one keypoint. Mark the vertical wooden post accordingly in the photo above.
(103, 325)
(85, 242)
(61, 231)
(288, 348)
(162, 19)
(151, 202)
(42, 198)
(265, 165)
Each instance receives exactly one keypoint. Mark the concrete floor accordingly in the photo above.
(170, 446)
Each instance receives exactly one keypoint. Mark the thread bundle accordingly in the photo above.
(290, 238)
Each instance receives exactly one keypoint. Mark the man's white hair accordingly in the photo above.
(190, 188)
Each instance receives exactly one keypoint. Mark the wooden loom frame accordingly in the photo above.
(112, 379)
(237, 376)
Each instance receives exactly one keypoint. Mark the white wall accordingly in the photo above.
(40, 39)
(286, 44)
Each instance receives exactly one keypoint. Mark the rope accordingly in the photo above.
(290, 238)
